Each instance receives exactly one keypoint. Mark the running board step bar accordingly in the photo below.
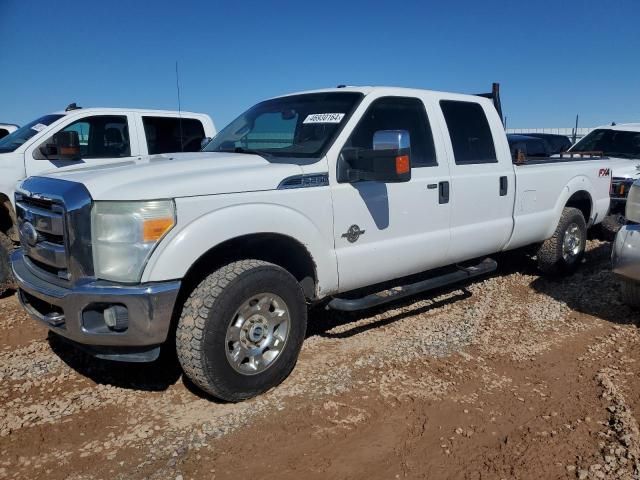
(488, 265)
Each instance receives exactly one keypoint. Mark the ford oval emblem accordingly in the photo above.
(29, 233)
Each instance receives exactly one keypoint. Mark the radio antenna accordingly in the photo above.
(179, 108)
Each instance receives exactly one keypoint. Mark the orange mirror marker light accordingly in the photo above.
(402, 164)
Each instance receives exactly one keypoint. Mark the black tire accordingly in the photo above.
(6, 275)
(630, 293)
(551, 259)
(201, 337)
(608, 228)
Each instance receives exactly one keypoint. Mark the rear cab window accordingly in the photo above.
(469, 131)
(172, 134)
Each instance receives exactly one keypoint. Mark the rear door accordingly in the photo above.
(482, 179)
(390, 230)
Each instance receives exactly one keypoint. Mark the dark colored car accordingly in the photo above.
(529, 146)
(557, 143)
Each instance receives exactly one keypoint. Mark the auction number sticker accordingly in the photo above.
(324, 118)
(38, 127)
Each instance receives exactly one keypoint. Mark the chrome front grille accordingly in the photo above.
(54, 221)
(42, 234)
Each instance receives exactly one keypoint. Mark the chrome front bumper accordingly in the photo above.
(77, 313)
(625, 254)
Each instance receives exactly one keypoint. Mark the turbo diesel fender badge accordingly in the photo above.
(353, 234)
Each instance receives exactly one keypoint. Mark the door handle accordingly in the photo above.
(504, 186)
(443, 191)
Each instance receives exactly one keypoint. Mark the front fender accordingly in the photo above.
(194, 237)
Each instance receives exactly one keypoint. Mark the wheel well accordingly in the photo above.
(7, 218)
(582, 201)
(270, 247)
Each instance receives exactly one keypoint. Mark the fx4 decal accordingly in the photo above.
(604, 172)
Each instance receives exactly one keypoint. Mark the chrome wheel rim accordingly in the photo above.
(257, 333)
(571, 243)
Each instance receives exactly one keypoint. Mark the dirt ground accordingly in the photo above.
(514, 376)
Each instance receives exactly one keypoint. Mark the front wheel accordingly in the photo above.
(562, 253)
(241, 329)
(6, 276)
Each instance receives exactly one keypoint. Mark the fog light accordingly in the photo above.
(116, 318)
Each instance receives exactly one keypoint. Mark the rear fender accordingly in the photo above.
(576, 184)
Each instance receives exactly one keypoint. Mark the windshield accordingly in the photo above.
(294, 126)
(613, 143)
(17, 138)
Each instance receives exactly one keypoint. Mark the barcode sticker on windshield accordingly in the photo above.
(38, 127)
(324, 118)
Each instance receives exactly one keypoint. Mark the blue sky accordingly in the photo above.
(553, 58)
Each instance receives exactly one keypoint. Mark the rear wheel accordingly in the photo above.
(562, 253)
(241, 329)
(6, 276)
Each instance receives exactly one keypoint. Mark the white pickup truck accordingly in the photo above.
(99, 136)
(332, 197)
(621, 144)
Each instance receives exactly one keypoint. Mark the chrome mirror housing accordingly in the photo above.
(391, 140)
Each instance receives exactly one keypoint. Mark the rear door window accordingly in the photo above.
(469, 131)
(172, 134)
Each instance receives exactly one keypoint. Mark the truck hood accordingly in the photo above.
(180, 175)
(624, 167)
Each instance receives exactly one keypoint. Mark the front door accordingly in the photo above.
(103, 139)
(390, 230)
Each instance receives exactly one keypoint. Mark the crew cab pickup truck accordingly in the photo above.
(84, 137)
(345, 197)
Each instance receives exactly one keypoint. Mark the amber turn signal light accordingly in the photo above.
(155, 228)
(402, 164)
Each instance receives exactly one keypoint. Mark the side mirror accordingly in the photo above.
(204, 142)
(68, 144)
(388, 161)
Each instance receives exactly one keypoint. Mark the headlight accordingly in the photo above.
(125, 233)
(633, 204)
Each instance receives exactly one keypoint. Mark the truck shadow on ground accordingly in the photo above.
(154, 376)
(593, 290)
(7, 293)
(322, 321)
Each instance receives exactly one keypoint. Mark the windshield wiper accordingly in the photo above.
(248, 151)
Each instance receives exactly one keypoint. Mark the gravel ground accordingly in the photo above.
(514, 376)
